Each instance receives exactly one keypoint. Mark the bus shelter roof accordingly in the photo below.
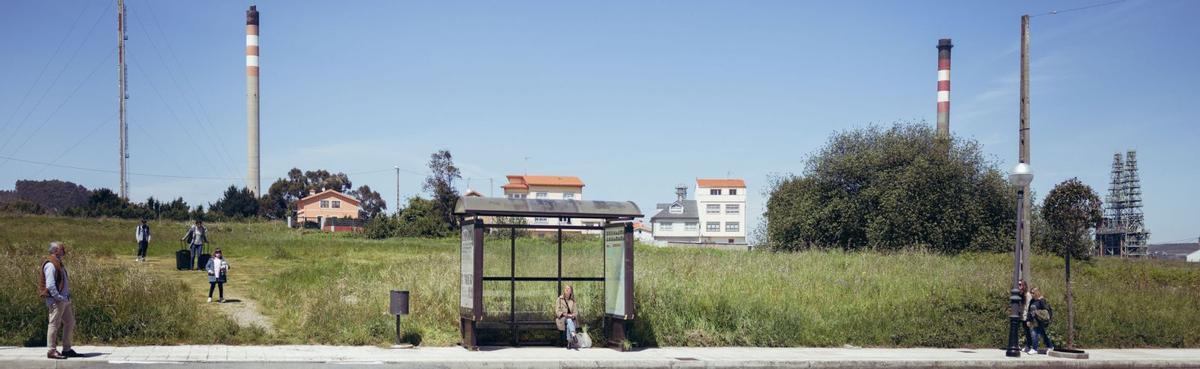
(501, 206)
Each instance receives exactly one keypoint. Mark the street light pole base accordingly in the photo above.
(1068, 353)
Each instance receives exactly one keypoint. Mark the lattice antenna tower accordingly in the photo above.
(1135, 230)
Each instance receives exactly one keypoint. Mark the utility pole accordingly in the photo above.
(397, 190)
(121, 73)
(1024, 143)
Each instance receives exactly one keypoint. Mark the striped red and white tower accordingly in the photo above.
(252, 177)
(943, 87)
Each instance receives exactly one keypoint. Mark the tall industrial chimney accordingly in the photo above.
(943, 88)
(252, 177)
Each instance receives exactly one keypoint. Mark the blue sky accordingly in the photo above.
(632, 96)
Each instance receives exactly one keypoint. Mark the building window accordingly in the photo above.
(337, 204)
(665, 227)
(676, 209)
(732, 227)
(568, 195)
(324, 204)
(713, 209)
(541, 195)
(564, 220)
(690, 226)
(712, 226)
(732, 209)
(715, 191)
(540, 221)
(733, 191)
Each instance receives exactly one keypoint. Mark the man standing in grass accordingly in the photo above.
(55, 288)
(195, 238)
(142, 234)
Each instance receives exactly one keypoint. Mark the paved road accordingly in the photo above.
(303, 357)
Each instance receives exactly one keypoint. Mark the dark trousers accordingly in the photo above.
(217, 285)
(1028, 335)
(142, 245)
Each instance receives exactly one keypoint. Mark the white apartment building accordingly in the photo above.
(716, 216)
(546, 188)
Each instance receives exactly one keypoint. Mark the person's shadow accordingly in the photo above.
(91, 354)
(232, 301)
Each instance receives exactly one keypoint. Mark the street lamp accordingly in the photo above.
(1020, 177)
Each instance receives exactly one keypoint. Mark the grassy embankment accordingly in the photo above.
(332, 289)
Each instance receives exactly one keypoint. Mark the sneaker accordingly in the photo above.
(210, 299)
(53, 354)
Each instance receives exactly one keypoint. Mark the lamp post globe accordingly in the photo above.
(1020, 177)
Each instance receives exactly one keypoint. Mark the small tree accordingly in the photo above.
(371, 203)
(440, 184)
(236, 203)
(1072, 211)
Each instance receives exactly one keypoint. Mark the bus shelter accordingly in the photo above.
(481, 217)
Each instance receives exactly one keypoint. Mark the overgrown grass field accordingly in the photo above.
(332, 289)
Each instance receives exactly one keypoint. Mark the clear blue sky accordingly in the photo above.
(632, 96)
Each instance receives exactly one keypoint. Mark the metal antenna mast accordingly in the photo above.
(121, 72)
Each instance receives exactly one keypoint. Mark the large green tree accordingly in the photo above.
(282, 195)
(440, 185)
(893, 189)
(236, 204)
(1071, 211)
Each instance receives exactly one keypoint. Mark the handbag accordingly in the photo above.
(582, 340)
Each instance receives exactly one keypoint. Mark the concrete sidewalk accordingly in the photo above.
(292, 357)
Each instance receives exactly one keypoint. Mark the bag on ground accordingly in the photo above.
(583, 340)
(183, 259)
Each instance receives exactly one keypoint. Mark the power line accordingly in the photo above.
(56, 78)
(77, 143)
(1055, 12)
(223, 152)
(112, 171)
(44, 68)
(56, 109)
(199, 150)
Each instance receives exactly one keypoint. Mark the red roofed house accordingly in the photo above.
(546, 188)
(331, 209)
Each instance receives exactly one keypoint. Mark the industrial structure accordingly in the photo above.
(943, 88)
(1123, 232)
(122, 73)
(252, 175)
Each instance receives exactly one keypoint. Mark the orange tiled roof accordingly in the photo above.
(523, 181)
(325, 194)
(720, 182)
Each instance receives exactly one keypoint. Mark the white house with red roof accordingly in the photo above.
(717, 216)
(546, 188)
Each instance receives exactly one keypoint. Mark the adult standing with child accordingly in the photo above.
(195, 238)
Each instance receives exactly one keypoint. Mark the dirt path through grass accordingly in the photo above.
(238, 306)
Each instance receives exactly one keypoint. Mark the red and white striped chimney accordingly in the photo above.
(943, 87)
(252, 154)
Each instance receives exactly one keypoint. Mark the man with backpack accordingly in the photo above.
(195, 238)
(142, 235)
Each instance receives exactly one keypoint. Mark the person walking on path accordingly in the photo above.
(1040, 314)
(1026, 298)
(195, 238)
(55, 288)
(142, 235)
(566, 314)
(218, 270)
